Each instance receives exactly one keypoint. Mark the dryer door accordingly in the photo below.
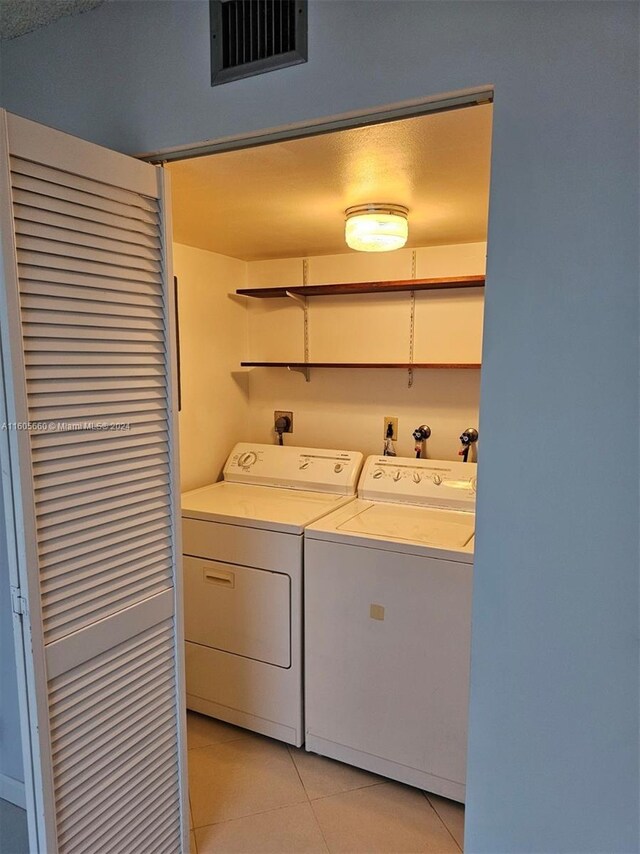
(238, 609)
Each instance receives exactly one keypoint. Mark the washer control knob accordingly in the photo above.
(437, 479)
(304, 465)
(416, 477)
(397, 476)
(377, 474)
(247, 459)
(338, 467)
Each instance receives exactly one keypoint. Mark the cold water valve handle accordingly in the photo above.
(467, 439)
(420, 435)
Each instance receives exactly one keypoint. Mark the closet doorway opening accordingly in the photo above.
(343, 343)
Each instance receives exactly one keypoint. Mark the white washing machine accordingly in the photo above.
(388, 582)
(243, 552)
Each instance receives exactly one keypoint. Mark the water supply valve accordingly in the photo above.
(468, 441)
(420, 435)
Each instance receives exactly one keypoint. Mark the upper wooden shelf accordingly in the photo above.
(365, 287)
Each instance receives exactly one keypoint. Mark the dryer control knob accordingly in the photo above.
(247, 459)
(397, 476)
(416, 477)
(304, 465)
(437, 479)
(338, 468)
(377, 474)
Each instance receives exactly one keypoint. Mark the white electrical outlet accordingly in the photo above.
(389, 419)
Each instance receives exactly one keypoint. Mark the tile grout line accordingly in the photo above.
(304, 788)
(435, 809)
(264, 812)
(192, 830)
(317, 821)
(224, 741)
(347, 791)
(258, 812)
(313, 812)
(339, 792)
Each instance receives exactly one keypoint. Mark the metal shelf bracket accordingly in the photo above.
(306, 372)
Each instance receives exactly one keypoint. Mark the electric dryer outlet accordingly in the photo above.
(284, 414)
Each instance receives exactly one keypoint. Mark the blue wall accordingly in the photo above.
(553, 760)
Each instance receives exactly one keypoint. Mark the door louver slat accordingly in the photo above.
(120, 296)
(27, 200)
(50, 260)
(84, 280)
(94, 319)
(110, 586)
(117, 548)
(62, 624)
(45, 482)
(33, 218)
(78, 441)
(57, 549)
(108, 834)
(119, 564)
(67, 507)
(41, 188)
(72, 237)
(32, 247)
(113, 711)
(55, 532)
(116, 754)
(56, 301)
(29, 169)
(66, 490)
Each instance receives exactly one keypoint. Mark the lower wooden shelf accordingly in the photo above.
(403, 365)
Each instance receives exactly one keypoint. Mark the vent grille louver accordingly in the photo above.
(251, 37)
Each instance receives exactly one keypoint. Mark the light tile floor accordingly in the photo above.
(253, 795)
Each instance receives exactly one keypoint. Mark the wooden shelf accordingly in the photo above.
(406, 366)
(352, 288)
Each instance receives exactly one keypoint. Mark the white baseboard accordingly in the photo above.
(12, 790)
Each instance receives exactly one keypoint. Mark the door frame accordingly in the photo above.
(471, 97)
(18, 543)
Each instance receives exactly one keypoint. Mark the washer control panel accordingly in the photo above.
(405, 480)
(311, 469)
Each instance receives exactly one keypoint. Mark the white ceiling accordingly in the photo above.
(288, 199)
(18, 17)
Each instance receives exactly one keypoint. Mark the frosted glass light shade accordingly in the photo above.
(376, 227)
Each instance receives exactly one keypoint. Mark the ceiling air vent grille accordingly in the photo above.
(253, 36)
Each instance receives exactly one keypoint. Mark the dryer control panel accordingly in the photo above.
(433, 483)
(311, 469)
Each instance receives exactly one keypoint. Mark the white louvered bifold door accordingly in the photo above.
(89, 466)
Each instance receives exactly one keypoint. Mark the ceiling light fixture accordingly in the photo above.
(376, 227)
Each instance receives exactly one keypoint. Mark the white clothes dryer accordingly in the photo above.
(388, 583)
(242, 556)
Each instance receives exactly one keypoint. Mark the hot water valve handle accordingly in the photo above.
(420, 435)
(467, 439)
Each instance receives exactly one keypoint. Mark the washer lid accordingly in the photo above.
(270, 508)
(444, 529)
